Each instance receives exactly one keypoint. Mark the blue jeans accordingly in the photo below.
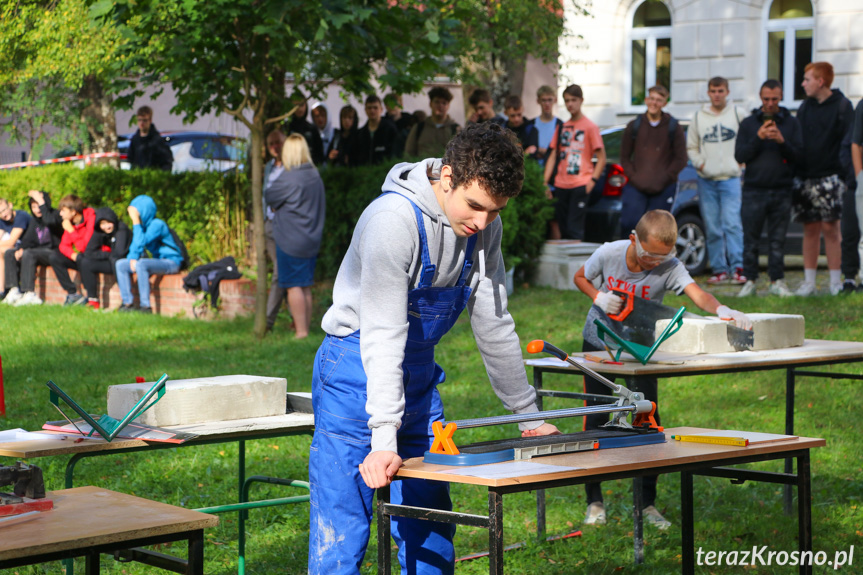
(635, 204)
(144, 268)
(720, 208)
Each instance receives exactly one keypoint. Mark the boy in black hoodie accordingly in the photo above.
(109, 243)
(41, 237)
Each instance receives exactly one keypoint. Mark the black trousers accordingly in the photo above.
(30, 260)
(61, 266)
(773, 208)
(570, 210)
(649, 386)
(850, 229)
(90, 269)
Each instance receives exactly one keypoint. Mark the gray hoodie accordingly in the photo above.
(371, 293)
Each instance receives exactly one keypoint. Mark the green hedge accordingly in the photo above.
(211, 211)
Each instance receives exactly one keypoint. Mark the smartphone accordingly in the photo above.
(767, 118)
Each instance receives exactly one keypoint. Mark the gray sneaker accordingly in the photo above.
(595, 514)
(75, 299)
(12, 296)
(748, 289)
(779, 288)
(805, 289)
(652, 516)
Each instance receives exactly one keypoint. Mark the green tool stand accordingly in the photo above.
(640, 352)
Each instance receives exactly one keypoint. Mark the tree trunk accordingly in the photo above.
(258, 221)
(97, 115)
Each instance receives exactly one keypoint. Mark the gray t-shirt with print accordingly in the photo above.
(609, 263)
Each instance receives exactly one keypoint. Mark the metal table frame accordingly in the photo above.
(494, 520)
(243, 483)
(126, 551)
(791, 374)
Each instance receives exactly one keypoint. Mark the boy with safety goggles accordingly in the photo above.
(646, 266)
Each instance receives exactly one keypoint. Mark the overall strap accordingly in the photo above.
(468, 262)
(428, 270)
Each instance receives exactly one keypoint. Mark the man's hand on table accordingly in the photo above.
(379, 468)
(544, 429)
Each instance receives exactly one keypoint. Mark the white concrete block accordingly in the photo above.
(691, 70)
(729, 68)
(684, 40)
(697, 335)
(204, 399)
(558, 262)
(832, 32)
(710, 334)
(856, 23)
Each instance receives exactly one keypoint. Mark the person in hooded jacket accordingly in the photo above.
(109, 243)
(425, 250)
(40, 238)
(149, 234)
(78, 224)
(337, 152)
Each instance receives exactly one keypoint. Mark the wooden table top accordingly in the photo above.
(622, 459)
(812, 352)
(87, 516)
(290, 423)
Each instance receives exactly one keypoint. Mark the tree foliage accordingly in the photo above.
(54, 44)
(233, 56)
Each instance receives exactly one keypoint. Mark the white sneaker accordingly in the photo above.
(12, 296)
(29, 298)
(595, 514)
(805, 289)
(748, 289)
(653, 517)
(835, 289)
(779, 288)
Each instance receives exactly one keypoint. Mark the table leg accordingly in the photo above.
(241, 520)
(804, 508)
(196, 553)
(638, 523)
(789, 430)
(687, 523)
(495, 532)
(540, 493)
(383, 497)
(91, 563)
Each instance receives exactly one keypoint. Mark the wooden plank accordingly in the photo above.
(622, 459)
(812, 350)
(237, 429)
(87, 516)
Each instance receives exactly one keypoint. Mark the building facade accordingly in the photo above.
(625, 46)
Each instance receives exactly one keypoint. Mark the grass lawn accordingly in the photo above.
(85, 352)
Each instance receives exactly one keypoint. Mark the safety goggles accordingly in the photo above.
(651, 257)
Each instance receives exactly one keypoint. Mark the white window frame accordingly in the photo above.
(651, 34)
(790, 26)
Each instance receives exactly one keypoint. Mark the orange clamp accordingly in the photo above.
(443, 442)
(646, 419)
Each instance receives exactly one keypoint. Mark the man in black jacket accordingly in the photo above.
(109, 243)
(374, 142)
(148, 149)
(300, 125)
(41, 237)
(826, 119)
(770, 143)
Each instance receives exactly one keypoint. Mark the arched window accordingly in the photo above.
(649, 49)
(788, 26)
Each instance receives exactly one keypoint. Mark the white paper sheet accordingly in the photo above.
(19, 434)
(509, 469)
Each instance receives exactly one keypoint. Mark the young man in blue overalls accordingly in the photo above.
(420, 253)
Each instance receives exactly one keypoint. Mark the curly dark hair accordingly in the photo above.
(489, 155)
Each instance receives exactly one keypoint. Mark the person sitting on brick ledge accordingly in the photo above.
(153, 235)
(110, 243)
(78, 223)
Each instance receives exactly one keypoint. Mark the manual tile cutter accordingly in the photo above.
(617, 433)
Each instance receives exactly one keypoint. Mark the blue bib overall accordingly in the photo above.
(341, 503)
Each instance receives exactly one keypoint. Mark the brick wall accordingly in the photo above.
(167, 296)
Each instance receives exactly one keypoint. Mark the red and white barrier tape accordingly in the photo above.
(87, 158)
